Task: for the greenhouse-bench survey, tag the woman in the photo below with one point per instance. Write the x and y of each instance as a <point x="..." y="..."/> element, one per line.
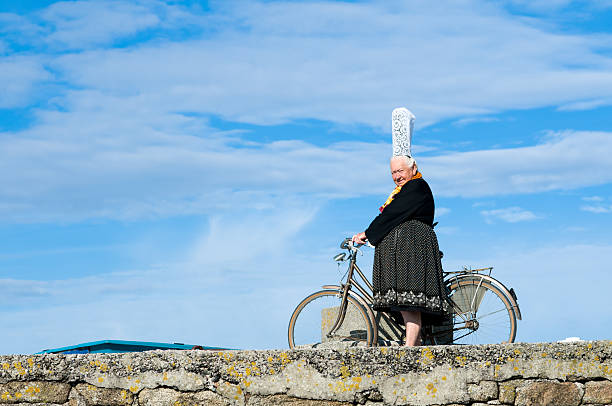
<point x="407" y="272"/>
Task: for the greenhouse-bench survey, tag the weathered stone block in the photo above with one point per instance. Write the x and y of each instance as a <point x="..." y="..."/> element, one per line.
<point x="548" y="393"/>
<point x="598" y="392"/>
<point x="375" y="396"/>
<point x="231" y="391"/>
<point x="93" y="395"/>
<point x="507" y="392"/>
<point x="170" y="397"/>
<point x="485" y="390"/>
<point x="34" y="392"/>
<point x="283" y="400"/>
<point x="33" y="404"/>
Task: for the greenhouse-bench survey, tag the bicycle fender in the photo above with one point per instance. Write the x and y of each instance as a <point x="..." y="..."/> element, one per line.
<point x="511" y="297"/>
<point x="366" y="306"/>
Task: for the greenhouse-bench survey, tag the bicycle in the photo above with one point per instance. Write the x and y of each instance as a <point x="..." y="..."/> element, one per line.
<point x="484" y="311"/>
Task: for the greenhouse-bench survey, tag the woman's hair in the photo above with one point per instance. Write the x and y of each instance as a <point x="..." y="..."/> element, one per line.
<point x="407" y="159"/>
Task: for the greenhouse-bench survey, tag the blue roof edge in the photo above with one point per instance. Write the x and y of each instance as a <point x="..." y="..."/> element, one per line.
<point x="154" y="345"/>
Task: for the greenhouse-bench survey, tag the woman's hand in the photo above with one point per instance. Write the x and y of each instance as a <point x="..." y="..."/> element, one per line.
<point x="359" y="238"/>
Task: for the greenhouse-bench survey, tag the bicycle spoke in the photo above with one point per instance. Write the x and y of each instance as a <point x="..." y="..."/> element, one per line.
<point x="466" y="334"/>
<point x="480" y="317"/>
<point x="482" y="313"/>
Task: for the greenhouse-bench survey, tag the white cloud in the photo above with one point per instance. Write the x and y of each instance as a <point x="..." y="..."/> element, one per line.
<point x="86" y="24"/>
<point x="548" y="166"/>
<point x="509" y="215"/>
<point x="593" y="199"/>
<point x="483" y="204"/>
<point x="596" y="205"/>
<point x="75" y="166"/>
<point x="18" y="29"/>
<point x="585" y="104"/>
<point x="597" y="209"/>
<point x="330" y="61"/>
<point x="443" y="230"/>
<point x="442" y="211"/>
<point x="603" y="3"/>
<point x="575" y="229"/>
<point x="20" y="77"/>
<point x="575" y="9"/>
<point x="124" y="138"/>
<point x="540" y="5"/>
<point x="109" y="159"/>
<point x="471" y="120"/>
<point x="90" y="23"/>
<point x="235" y="240"/>
<point x="247" y="271"/>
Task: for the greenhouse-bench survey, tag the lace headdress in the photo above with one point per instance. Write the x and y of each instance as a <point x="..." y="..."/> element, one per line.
<point x="402" y="123"/>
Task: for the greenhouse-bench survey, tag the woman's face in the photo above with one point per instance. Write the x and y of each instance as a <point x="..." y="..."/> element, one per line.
<point x="401" y="172"/>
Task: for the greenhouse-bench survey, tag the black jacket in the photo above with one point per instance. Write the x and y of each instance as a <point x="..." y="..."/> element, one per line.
<point x="414" y="202"/>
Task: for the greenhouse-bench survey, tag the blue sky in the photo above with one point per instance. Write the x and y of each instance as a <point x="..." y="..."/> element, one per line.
<point x="183" y="171"/>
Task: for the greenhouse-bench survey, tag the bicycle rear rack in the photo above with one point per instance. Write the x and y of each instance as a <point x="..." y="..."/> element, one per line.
<point x="466" y="271"/>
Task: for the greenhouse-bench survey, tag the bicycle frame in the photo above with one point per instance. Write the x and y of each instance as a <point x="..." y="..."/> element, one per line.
<point x="363" y="296"/>
<point x="366" y="300"/>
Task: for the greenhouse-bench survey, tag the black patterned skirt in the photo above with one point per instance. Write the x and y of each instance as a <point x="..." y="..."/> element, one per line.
<point x="408" y="272"/>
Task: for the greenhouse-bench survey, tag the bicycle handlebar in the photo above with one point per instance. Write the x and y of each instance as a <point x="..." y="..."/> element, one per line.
<point x="347" y="244"/>
<point x="344" y="244"/>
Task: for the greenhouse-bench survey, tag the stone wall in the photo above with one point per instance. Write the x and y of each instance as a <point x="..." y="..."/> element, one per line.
<point x="517" y="374"/>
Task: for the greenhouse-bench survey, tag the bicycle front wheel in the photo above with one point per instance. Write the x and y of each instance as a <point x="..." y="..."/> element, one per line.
<point x="314" y="318"/>
<point x="483" y="314"/>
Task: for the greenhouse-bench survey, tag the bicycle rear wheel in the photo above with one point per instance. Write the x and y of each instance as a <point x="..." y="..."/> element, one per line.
<point x="483" y="314"/>
<point x="316" y="315"/>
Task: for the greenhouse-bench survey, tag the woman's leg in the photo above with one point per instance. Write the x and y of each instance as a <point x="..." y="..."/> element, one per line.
<point x="412" y="320"/>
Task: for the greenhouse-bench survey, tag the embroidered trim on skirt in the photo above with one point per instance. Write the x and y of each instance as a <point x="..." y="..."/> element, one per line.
<point x="408" y="272"/>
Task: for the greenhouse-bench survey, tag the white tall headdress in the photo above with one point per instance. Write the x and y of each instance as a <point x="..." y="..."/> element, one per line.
<point x="402" y="123"/>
